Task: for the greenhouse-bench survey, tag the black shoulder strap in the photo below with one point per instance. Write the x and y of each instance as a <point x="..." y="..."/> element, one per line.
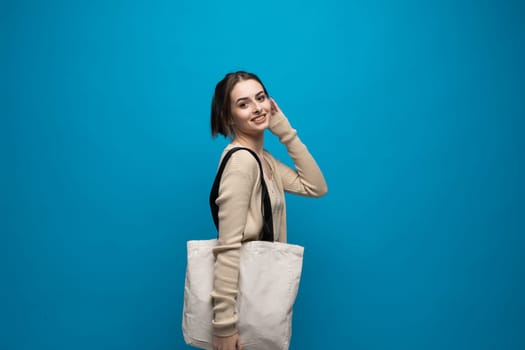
<point x="267" y="231"/>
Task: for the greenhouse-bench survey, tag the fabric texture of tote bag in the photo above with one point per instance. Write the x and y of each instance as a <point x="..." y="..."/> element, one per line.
<point x="269" y="278"/>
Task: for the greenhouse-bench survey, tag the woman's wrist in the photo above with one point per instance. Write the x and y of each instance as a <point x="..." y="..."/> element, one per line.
<point x="280" y="127"/>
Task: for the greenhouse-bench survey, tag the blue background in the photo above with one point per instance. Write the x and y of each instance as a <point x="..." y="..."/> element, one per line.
<point x="413" y="109"/>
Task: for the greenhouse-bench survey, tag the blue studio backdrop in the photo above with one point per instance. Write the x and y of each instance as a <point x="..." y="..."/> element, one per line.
<point x="413" y="109"/>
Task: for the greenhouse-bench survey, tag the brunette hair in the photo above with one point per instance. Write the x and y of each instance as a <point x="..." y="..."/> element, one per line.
<point x="221" y="118"/>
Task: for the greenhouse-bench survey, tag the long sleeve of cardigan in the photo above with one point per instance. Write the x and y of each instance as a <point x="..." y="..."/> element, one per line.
<point x="307" y="179"/>
<point x="238" y="185"/>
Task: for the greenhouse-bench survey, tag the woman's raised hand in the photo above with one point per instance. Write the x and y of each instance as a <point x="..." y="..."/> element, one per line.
<point x="275" y="107"/>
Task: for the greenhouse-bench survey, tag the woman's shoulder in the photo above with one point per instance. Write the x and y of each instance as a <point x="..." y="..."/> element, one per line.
<point x="240" y="161"/>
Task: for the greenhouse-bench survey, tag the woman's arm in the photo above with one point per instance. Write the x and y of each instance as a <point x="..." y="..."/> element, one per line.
<point x="235" y="190"/>
<point x="307" y="179"/>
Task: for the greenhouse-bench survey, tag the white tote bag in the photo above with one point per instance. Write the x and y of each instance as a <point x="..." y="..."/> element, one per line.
<point x="268" y="282"/>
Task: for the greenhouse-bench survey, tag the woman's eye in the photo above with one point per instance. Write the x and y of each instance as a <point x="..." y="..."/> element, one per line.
<point x="243" y="105"/>
<point x="261" y="98"/>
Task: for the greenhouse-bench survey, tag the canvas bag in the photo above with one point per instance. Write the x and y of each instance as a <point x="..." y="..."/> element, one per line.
<point x="268" y="283"/>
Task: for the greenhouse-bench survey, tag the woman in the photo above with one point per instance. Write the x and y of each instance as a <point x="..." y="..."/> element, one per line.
<point x="243" y="110"/>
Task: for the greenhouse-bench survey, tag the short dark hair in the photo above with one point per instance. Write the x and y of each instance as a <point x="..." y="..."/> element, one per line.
<point x="221" y="117"/>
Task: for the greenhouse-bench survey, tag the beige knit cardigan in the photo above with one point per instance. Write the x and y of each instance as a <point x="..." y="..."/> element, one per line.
<point x="240" y="218"/>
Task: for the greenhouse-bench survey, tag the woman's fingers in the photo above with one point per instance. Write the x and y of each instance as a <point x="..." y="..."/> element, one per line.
<point x="275" y="107"/>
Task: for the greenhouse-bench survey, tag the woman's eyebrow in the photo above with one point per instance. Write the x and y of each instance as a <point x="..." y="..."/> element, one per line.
<point x="247" y="98"/>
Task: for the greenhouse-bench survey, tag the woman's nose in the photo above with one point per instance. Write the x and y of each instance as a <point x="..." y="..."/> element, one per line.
<point x="256" y="108"/>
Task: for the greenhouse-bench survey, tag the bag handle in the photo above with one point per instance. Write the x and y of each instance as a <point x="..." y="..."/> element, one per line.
<point x="266" y="205"/>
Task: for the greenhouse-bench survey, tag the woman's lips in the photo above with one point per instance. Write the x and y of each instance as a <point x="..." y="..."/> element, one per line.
<point x="259" y="119"/>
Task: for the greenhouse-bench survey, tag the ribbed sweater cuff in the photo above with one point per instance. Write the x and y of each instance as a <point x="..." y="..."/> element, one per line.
<point x="224" y="330"/>
<point x="280" y="126"/>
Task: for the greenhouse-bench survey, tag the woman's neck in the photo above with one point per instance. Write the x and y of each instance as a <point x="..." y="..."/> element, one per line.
<point x="255" y="144"/>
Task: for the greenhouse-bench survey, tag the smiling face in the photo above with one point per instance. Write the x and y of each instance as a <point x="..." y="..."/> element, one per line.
<point x="250" y="108"/>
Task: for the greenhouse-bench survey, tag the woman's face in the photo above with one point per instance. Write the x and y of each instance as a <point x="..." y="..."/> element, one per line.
<point x="250" y="108"/>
